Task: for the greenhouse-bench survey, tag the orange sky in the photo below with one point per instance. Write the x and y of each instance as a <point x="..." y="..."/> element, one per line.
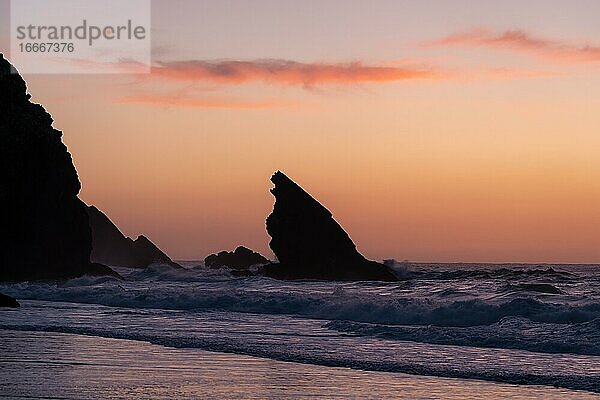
<point x="476" y="140"/>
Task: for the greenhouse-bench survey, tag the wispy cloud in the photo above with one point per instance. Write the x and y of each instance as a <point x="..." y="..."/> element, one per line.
<point x="236" y="73"/>
<point x="195" y="102"/>
<point x="518" y="40"/>
<point x="287" y="72"/>
<point x="184" y="77"/>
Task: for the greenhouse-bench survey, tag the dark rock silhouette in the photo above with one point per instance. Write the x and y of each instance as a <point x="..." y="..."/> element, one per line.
<point x="241" y="258"/>
<point x="7" y="301"/>
<point x="310" y="244"/>
<point x="110" y="246"/>
<point x="44" y="232"/>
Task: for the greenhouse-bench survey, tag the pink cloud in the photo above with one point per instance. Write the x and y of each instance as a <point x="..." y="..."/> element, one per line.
<point x="290" y="73"/>
<point x="518" y="40"/>
<point x="286" y="72"/>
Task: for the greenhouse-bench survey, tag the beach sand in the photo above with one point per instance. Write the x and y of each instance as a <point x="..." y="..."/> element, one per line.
<point x="42" y="365"/>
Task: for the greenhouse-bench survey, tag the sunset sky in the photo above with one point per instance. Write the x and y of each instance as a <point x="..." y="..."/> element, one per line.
<point x="433" y="130"/>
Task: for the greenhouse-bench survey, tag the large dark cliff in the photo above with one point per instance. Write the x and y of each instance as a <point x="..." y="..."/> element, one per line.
<point x="44" y="230"/>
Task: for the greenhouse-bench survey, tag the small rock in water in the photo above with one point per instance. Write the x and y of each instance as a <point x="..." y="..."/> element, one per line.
<point x="241" y="258"/>
<point x="7" y="301"/>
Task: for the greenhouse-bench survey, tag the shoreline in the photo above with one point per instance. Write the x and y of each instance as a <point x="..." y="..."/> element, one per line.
<point x="68" y="366"/>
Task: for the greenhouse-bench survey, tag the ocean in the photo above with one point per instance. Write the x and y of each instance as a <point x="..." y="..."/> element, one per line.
<point x="517" y="324"/>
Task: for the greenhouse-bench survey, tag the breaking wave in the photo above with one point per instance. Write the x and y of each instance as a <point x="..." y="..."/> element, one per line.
<point x="186" y="291"/>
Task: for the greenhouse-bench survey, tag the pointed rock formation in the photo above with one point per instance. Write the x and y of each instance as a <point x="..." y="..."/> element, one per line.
<point x="241" y="258"/>
<point x="110" y="246"/>
<point x="44" y="233"/>
<point x="310" y="244"/>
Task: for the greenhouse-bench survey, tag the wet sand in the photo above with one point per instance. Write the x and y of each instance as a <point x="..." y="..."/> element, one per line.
<point x="41" y="365"/>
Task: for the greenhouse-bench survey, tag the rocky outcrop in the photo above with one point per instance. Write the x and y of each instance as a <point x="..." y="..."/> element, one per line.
<point x="241" y="258"/>
<point x="7" y="301"/>
<point x="110" y="246"/>
<point x="44" y="233"/>
<point x="310" y="244"/>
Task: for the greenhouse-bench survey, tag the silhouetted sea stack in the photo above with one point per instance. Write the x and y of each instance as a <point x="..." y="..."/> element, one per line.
<point x="110" y="246"/>
<point x="7" y="301"/>
<point x="241" y="258"/>
<point x="45" y="232"/>
<point x="310" y="244"/>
